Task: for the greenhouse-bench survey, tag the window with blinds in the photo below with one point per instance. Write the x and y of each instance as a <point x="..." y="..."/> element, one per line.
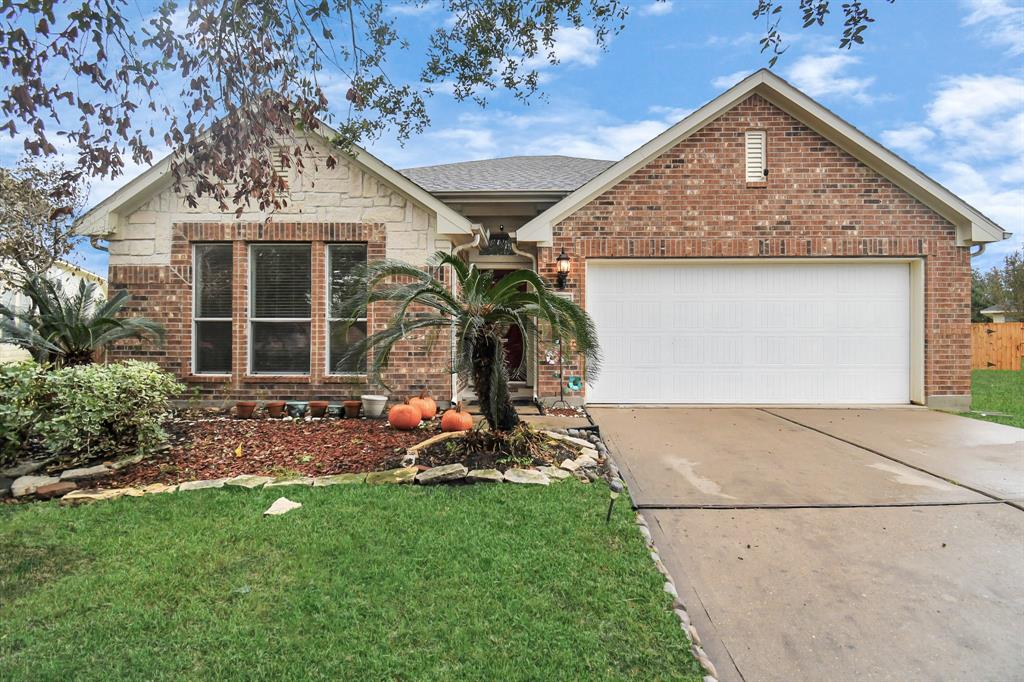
<point x="211" y="309"/>
<point x="280" y="308"/>
<point x="343" y="260"/>
<point x="756" y="156"/>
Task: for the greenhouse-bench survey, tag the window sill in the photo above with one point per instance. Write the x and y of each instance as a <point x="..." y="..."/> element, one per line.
<point x="208" y="378"/>
<point x="277" y="378"/>
<point x="345" y="379"/>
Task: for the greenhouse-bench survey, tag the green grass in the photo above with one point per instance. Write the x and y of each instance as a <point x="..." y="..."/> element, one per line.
<point x="462" y="583"/>
<point x="995" y="390"/>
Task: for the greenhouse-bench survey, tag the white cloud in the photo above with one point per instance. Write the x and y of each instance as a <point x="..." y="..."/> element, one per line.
<point x="573" y="45"/>
<point x="912" y="138"/>
<point x="474" y="143"/>
<point x="998" y="22"/>
<point x="824" y="75"/>
<point x="727" y="81"/>
<point x="670" y="114"/>
<point x="657" y="8"/>
<point x="732" y="41"/>
<point x="414" y="7"/>
<point x="972" y="141"/>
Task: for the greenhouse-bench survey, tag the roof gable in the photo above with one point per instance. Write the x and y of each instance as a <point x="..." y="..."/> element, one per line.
<point x="102" y="218"/>
<point x="972" y="226"/>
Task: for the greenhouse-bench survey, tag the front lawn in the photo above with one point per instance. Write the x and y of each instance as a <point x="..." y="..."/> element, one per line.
<point x="465" y="582"/>
<point x="995" y="390"/>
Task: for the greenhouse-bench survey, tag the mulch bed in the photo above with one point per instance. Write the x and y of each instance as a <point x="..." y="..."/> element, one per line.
<point x="483" y="450"/>
<point x="207" y="448"/>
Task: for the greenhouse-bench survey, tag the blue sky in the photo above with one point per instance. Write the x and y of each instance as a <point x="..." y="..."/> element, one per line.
<point x="941" y="82"/>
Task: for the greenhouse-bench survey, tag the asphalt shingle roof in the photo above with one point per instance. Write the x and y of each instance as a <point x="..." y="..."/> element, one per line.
<point x="511" y="173"/>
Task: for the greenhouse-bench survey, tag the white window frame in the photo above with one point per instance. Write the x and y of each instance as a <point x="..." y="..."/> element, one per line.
<point x="195" y="307"/>
<point x="327" y="312"/>
<point x="250" y="320"/>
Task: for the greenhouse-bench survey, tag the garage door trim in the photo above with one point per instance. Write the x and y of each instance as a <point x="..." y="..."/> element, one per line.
<point x="917" y="296"/>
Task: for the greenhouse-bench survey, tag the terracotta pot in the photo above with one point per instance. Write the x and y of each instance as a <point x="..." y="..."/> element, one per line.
<point x="275" y="408"/>
<point x="352" y="408"/>
<point x="244" y="409"/>
<point x="317" y="408"/>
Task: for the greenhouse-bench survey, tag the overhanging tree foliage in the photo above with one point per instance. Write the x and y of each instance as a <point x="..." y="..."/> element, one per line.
<point x="478" y="314"/>
<point x="221" y="81"/>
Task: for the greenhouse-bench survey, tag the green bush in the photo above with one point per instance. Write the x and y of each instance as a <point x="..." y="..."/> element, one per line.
<point x="18" y="384"/>
<point x="92" y="411"/>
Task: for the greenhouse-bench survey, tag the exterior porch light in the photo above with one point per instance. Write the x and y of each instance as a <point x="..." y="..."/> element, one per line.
<point x="563" y="268"/>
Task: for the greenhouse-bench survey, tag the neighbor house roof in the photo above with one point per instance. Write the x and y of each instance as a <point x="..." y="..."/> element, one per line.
<point x="102" y="218"/>
<point x="508" y="174"/>
<point x="972" y="226"/>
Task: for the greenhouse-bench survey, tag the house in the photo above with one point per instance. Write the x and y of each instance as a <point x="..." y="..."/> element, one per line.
<point x="761" y="250"/>
<point x="68" y="276"/>
<point x="998" y="313"/>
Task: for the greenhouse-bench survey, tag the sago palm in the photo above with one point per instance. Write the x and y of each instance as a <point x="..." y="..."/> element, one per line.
<point x="67" y="329"/>
<point x="478" y="315"/>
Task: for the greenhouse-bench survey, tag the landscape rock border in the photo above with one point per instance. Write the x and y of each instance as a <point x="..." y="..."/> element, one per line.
<point x="678" y="607"/>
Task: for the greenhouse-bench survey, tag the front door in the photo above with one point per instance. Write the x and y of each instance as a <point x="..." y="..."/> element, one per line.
<point x="515" y="346"/>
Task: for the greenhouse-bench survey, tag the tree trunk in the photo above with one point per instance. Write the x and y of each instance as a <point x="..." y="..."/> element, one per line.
<point x="490" y="379"/>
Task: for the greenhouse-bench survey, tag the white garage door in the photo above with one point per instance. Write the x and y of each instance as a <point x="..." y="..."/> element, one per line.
<point x="752" y="332"/>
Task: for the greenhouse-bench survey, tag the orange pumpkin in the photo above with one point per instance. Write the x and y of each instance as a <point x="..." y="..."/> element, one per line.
<point x="456" y="420"/>
<point x="404" y="417"/>
<point x="425" y="404"/>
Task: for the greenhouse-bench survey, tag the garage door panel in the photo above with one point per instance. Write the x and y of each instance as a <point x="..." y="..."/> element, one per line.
<point x="758" y="332"/>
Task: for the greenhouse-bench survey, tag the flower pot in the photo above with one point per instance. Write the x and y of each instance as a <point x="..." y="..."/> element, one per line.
<point x="297" y="408"/>
<point x="334" y="411"/>
<point x="352" y="408"/>
<point x="275" y="408"/>
<point x="373" y="405"/>
<point x="244" y="409"/>
<point x="317" y="408"/>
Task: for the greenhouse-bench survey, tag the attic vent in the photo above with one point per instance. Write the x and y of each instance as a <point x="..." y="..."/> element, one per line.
<point x="277" y="161"/>
<point x="756" y="156"/>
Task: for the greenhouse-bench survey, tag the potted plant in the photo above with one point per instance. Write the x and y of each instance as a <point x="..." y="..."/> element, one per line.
<point x="334" y="410"/>
<point x="275" y="408"/>
<point x="373" y="405"/>
<point x="318" y="408"/>
<point x="352" y="408"/>
<point x="297" y="408"/>
<point x="244" y="409"/>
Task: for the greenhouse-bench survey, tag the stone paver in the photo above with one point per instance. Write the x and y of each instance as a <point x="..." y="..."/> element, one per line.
<point x="485" y="476"/>
<point x="26" y="485"/>
<point x="59" y="489"/>
<point x="301" y="480"/>
<point x="526" y="476"/>
<point x="248" y="481"/>
<point x="189" y="486"/>
<point x="442" y="474"/>
<point x="85" y="473"/>
<point x="282" y="505"/>
<point x="338" y="479"/>
<point x="392" y="476"/>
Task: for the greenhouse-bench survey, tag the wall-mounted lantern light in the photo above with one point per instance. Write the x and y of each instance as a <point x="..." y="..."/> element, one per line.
<point x="563" y="269"/>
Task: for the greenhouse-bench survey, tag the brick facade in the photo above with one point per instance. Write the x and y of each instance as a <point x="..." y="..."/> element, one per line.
<point x="817" y="201"/>
<point x="164" y="293"/>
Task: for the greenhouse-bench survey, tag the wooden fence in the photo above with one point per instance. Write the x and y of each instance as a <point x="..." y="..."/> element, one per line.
<point x="997" y="345"/>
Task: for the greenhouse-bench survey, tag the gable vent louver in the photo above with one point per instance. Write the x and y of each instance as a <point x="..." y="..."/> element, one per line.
<point x="756" y="156"/>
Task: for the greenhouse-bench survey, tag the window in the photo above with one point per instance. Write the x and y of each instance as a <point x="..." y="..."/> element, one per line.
<point x="756" y="156"/>
<point x="211" y="309"/>
<point x="280" y="309"/>
<point x="342" y="260"/>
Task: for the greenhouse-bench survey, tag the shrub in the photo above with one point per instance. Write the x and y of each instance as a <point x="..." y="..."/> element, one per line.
<point x="92" y="411"/>
<point x="18" y="384"/>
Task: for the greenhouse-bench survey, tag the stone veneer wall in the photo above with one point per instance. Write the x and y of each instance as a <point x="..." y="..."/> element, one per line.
<point x="818" y="201"/>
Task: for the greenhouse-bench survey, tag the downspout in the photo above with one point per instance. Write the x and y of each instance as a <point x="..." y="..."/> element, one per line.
<point x="981" y="249"/>
<point x="478" y="229"/>
<point x="94" y="242"/>
<point x="536" y="351"/>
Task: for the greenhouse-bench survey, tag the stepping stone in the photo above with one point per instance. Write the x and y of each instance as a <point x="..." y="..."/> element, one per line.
<point x="442" y="474"/>
<point x="59" y="489"/>
<point x="585" y="462"/>
<point x="85" y="473"/>
<point x="338" y="479"/>
<point x="248" y="481"/>
<point x="27" y="485"/>
<point x="392" y="476"/>
<point x="526" y="476"/>
<point x="485" y="476"/>
<point x="301" y="480"/>
<point x="126" y="462"/>
<point x="553" y="473"/>
<point x="569" y="465"/>
<point x="282" y="505"/>
<point x="201" y="485"/>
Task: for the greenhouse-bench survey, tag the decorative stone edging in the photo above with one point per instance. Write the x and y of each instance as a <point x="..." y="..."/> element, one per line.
<point x="678" y="607"/>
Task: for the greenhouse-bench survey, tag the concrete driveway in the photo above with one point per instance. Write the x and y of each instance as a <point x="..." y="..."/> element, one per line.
<point x="836" y="544"/>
